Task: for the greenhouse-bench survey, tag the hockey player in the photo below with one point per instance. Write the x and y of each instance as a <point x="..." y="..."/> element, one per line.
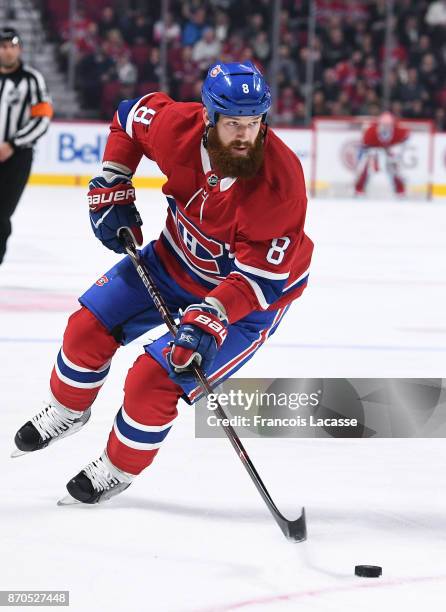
<point x="232" y="257"/>
<point x="381" y="135"/>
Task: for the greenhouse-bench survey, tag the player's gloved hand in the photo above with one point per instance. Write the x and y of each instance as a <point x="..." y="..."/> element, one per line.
<point x="111" y="209"/>
<point x="202" y="331"/>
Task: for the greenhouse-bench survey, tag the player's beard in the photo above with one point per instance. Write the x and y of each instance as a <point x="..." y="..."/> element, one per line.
<point x="240" y="166"/>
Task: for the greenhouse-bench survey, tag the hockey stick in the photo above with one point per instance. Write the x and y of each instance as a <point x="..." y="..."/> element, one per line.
<point x="293" y="530"/>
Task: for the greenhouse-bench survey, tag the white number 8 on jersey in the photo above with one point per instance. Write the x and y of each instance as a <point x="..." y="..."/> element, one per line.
<point x="277" y="251"/>
<point x="245" y="88"/>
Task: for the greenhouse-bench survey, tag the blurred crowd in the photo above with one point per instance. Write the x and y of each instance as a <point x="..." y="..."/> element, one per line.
<point x="117" y="50"/>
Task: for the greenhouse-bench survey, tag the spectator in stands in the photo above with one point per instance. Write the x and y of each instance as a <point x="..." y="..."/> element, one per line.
<point x="80" y="29"/>
<point x="403" y="8"/>
<point x="171" y="29"/>
<point x="138" y="30"/>
<point x="207" y="50"/>
<point x="303" y="54"/>
<point x="436" y="14"/>
<point x="410" y="32"/>
<point x="348" y="71"/>
<point x="412" y="90"/>
<point x="320" y="108"/>
<point x="396" y="108"/>
<point x="110" y="103"/>
<point x="221" y="26"/>
<point x="108" y="21"/>
<point x="358" y="96"/>
<point x="299" y="118"/>
<point x="194" y="26"/>
<point x="248" y="56"/>
<point x="185" y="76"/>
<point x="367" y="46"/>
<point x="429" y="75"/>
<point x="440" y="119"/>
<point x="286" y="68"/>
<point x="91" y="41"/>
<point x="436" y="20"/>
<point x="255" y="25"/>
<point x="335" y="48"/>
<point x="371" y="103"/>
<point x="349" y="43"/>
<point x="126" y="71"/>
<point x="360" y="29"/>
<point x="417" y="51"/>
<point x="341" y="107"/>
<point x="115" y="45"/>
<point x="93" y="71"/>
<point x="287" y="107"/>
<point x="377" y="23"/>
<point x="234" y="48"/>
<point x="393" y="85"/>
<point x="330" y="85"/>
<point x="415" y="110"/>
<point x="261" y="46"/>
<point x="196" y="94"/>
<point x="370" y="73"/>
<point x="150" y="71"/>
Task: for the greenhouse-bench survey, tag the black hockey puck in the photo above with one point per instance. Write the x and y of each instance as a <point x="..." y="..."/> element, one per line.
<point x="368" y="571"/>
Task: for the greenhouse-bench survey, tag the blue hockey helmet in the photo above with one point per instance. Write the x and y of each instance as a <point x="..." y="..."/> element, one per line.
<point x="236" y="90"/>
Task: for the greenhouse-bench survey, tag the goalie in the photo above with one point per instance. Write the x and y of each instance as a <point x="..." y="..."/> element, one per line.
<point x="377" y="146"/>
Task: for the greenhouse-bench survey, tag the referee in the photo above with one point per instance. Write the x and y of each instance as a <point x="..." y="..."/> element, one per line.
<point x="25" y="113"/>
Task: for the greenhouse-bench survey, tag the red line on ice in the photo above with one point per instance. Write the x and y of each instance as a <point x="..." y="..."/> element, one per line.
<point x="377" y="583"/>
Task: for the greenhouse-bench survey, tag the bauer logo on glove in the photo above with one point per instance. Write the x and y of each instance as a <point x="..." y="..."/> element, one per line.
<point x="98" y="198"/>
<point x="202" y="331"/>
<point x="112" y="208"/>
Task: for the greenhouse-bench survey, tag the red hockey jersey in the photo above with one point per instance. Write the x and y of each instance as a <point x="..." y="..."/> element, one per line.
<point x="240" y="241"/>
<point x="374" y="137"/>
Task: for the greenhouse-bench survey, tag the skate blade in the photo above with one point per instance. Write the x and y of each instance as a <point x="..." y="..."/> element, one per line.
<point x="18" y="453"/>
<point x="68" y="500"/>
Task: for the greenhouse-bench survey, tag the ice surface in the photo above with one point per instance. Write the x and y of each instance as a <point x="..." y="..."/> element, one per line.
<point x="192" y="534"/>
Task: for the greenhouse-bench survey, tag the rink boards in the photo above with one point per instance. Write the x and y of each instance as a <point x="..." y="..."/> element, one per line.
<point x="71" y="153"/>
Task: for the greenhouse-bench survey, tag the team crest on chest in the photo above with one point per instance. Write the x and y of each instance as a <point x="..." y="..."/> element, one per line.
<point x="200" y="250"/>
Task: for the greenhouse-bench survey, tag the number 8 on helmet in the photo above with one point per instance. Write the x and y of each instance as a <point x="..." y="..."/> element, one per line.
<point x="236" y="90"/>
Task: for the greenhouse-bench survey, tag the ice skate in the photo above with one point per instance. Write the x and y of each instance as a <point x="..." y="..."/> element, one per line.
<point x="52" y="423"/>
<point x="97" y="482"/>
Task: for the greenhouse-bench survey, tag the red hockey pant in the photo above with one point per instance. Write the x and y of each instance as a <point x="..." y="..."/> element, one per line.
<point x="150" y="397"/>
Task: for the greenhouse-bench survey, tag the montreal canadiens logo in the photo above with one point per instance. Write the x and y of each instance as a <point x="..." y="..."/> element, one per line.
<point x="200" y="250"/>
<point x="102" y="281"/>
<point x="349" y="154"/>
<point x="215" y="70"/>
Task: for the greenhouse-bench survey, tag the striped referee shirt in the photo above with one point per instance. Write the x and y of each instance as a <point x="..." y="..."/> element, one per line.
<point x="25" y="107"/>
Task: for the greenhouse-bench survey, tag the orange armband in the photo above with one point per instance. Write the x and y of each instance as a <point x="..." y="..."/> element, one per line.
<point x="42" y="109"/>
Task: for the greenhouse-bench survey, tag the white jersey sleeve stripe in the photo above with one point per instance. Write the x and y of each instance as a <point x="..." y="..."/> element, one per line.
<point x="260" y="272"/>
<point x="255" y="287"/>
<point x="298" y="280"/>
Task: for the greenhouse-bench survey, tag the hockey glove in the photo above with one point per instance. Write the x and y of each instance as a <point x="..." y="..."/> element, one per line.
<point x="202" y="331"/>
<point x="111" y="209"/>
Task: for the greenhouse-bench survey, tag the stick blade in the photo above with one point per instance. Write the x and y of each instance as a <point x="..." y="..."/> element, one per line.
<point x="295" y="531"/>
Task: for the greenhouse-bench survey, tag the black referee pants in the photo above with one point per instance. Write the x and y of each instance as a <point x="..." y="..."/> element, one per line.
<point x="14" y="175"/>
